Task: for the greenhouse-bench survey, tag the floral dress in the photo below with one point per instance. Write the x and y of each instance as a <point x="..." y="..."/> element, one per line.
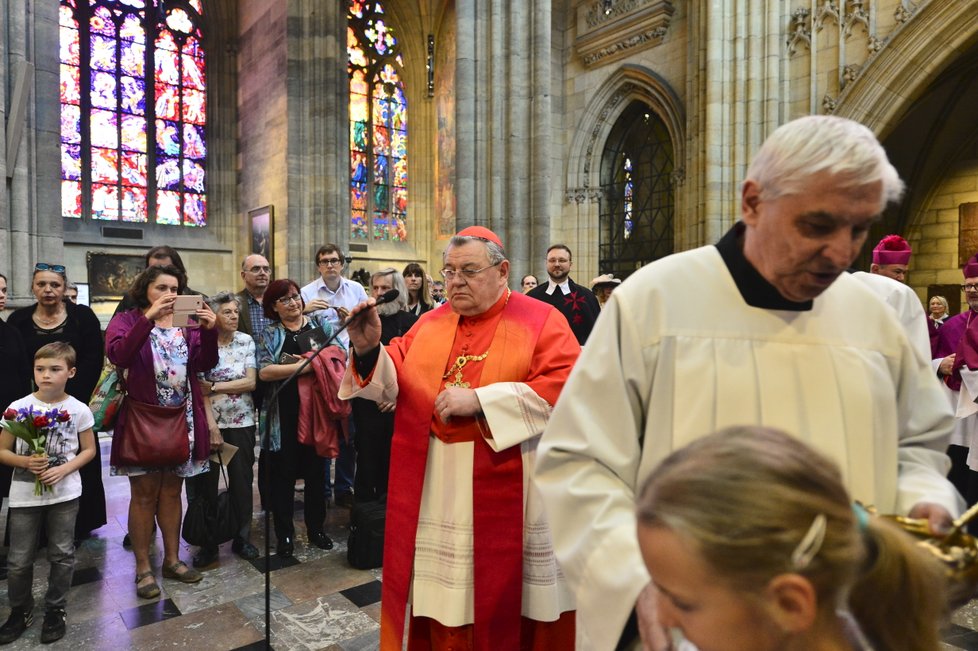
<point x="170" y="358"/>
<point x="233" y="410"/>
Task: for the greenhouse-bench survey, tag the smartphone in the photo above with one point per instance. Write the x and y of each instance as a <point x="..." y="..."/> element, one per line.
<point x="288" y="358"/>
<point x="185" y="311"/>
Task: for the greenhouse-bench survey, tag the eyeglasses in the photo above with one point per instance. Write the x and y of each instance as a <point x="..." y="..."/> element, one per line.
<point x="450" y="274"/>
<point x="285" y="300"/>
<point x="258" y="270"/>
<point x="330" y="262"/>
<point x="969" y="288"/>
<point x="44" y="266"/>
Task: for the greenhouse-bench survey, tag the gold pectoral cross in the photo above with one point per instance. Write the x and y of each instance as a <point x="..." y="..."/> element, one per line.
<point x="456" y="368"/>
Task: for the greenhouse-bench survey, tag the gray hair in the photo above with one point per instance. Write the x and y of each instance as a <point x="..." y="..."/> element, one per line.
<point x="397" y="280"/>
<point x="217" y="300"/>
<point x="494" y="251"/>
<point x="842" y="148"/>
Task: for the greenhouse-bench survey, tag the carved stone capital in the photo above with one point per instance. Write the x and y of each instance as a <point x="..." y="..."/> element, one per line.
<point x="876" y="44"/>
<point x="850" y="73"/>
<point x="580" y="195"/>
<point x="902" y="14"/>
<point x="630" y="26"/>
<point x="856" y="14"/>
<point x="829" y="104"/>
<point x="678" y="177"/>
<point x="575" y="195"/>
<point x="799" y="30"/>
<point x="826" y="10"/>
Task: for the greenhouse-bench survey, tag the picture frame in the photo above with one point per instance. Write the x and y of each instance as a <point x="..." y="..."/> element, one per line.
<point x="84" y="298"/>
<point x="110" y="275"/>
<point x="261" y="222"/>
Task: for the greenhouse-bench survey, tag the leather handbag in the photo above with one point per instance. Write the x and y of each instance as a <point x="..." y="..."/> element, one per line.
<point x="153" y="437"/>
<point x="209" y="523"/>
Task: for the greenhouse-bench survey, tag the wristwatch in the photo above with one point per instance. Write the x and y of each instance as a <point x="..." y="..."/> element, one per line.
<point x="213" y="387"/>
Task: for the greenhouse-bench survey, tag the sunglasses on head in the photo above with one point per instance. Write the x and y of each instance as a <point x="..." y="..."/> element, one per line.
<point x="44" y="266"/>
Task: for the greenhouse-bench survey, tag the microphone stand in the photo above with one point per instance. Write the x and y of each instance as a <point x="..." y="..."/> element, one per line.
<point x="272" y="403"/>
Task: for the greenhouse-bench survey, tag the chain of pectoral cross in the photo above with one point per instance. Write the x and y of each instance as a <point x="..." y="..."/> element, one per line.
<point x="456" y="368"/>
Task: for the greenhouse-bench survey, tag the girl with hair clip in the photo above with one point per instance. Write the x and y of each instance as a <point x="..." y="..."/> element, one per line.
<point x="753" y="544"/>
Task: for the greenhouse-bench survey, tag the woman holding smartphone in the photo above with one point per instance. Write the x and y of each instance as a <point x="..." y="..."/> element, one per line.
<point x="162" y="363"/>
<point x="279" y="356"/>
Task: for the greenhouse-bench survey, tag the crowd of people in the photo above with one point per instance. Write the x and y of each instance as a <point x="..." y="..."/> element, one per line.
<point x="607" y="466"/>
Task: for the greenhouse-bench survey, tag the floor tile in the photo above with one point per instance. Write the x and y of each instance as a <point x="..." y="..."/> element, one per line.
<point x="151" y="613"/>
<point x="363" y="594"/>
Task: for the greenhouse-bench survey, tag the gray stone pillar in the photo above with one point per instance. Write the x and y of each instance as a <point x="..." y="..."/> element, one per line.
<point x="220" y="42"/>
<point x="503" y="117"/>
<point x="318" y="132"/>
<point x="30" y="215"/>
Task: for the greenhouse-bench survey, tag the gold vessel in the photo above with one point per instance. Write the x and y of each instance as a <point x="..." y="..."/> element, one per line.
<point x="956" y="549"/>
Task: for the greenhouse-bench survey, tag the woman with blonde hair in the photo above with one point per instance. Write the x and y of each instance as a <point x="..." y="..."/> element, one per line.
<point x="753" y="543"/>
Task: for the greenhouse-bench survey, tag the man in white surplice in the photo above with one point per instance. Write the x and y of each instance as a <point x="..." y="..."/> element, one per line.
<point x="763" y="328"/>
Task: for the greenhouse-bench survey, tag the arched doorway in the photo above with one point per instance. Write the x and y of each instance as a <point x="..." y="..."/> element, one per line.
<point x="637" y="197"/>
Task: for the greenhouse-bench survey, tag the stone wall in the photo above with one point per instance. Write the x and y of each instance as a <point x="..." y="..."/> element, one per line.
<point x="262" y="126"/>
<point x="934" y="236"/>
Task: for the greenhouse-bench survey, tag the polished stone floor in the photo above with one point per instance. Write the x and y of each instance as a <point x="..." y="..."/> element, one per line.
<point x="317" y="601"/>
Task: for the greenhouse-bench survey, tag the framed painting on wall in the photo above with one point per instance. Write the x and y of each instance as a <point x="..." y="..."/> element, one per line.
<point x="111" y="274"/>
<point x="261" y="221"/>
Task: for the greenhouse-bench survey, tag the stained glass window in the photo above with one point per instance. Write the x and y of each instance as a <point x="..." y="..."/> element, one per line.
<point x="638" y="198"/>
<point x="378" y="127"/>
<point x="133" y="111"/>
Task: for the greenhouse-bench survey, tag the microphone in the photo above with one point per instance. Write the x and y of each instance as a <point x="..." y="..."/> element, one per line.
<point x="388" y="297"/>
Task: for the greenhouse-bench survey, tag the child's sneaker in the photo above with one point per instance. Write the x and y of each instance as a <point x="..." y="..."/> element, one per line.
<point x="53" y="628"/>
<point x="16" y="624"/>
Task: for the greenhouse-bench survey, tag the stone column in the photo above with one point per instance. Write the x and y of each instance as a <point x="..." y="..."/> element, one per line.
<point x="30" y="216"/>
<point x="318" y="132"/>
<point x="220" y="42"/>
<point x="502" y="118"/>
<point x="734" y="78"/>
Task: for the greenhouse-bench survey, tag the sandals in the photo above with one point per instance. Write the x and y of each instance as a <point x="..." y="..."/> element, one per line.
<point x="148" y="591"/>
<point x="189" y="575"/>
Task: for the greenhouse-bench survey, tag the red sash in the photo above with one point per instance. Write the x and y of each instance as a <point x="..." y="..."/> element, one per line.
<point x="497" y="476"/>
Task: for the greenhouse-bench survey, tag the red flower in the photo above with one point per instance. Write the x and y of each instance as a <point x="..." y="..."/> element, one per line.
<point x="40" y="421"/>
<point x="10" y="414"/>
<point x="63" y="417"/>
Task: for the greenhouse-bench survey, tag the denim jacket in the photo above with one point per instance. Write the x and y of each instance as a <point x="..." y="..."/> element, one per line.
<point x="270" y="343"/>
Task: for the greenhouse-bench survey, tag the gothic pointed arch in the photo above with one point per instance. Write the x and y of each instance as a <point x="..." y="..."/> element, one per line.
<point x="637" y="206"/>
<point x="629" y="83"/>
<point x="903" y="69"/>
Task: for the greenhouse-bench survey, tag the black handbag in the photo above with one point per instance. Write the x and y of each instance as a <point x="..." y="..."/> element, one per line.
<point x="209" y="523"/>
<point x="365" y="546"/>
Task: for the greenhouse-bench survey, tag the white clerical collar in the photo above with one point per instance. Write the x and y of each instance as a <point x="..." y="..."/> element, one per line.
<point x="564" y="287"/>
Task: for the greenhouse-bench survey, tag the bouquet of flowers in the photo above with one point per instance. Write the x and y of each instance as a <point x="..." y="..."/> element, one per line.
<point x="33" y="428"/>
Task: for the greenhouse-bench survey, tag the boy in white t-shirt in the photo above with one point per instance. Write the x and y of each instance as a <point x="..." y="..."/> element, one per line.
<point x="69" y="445"/>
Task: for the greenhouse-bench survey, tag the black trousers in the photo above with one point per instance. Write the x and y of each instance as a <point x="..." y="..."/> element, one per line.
<point x="374" y="430"/>
<point x="292" y="461"/>
<point x="241" y="477"/>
